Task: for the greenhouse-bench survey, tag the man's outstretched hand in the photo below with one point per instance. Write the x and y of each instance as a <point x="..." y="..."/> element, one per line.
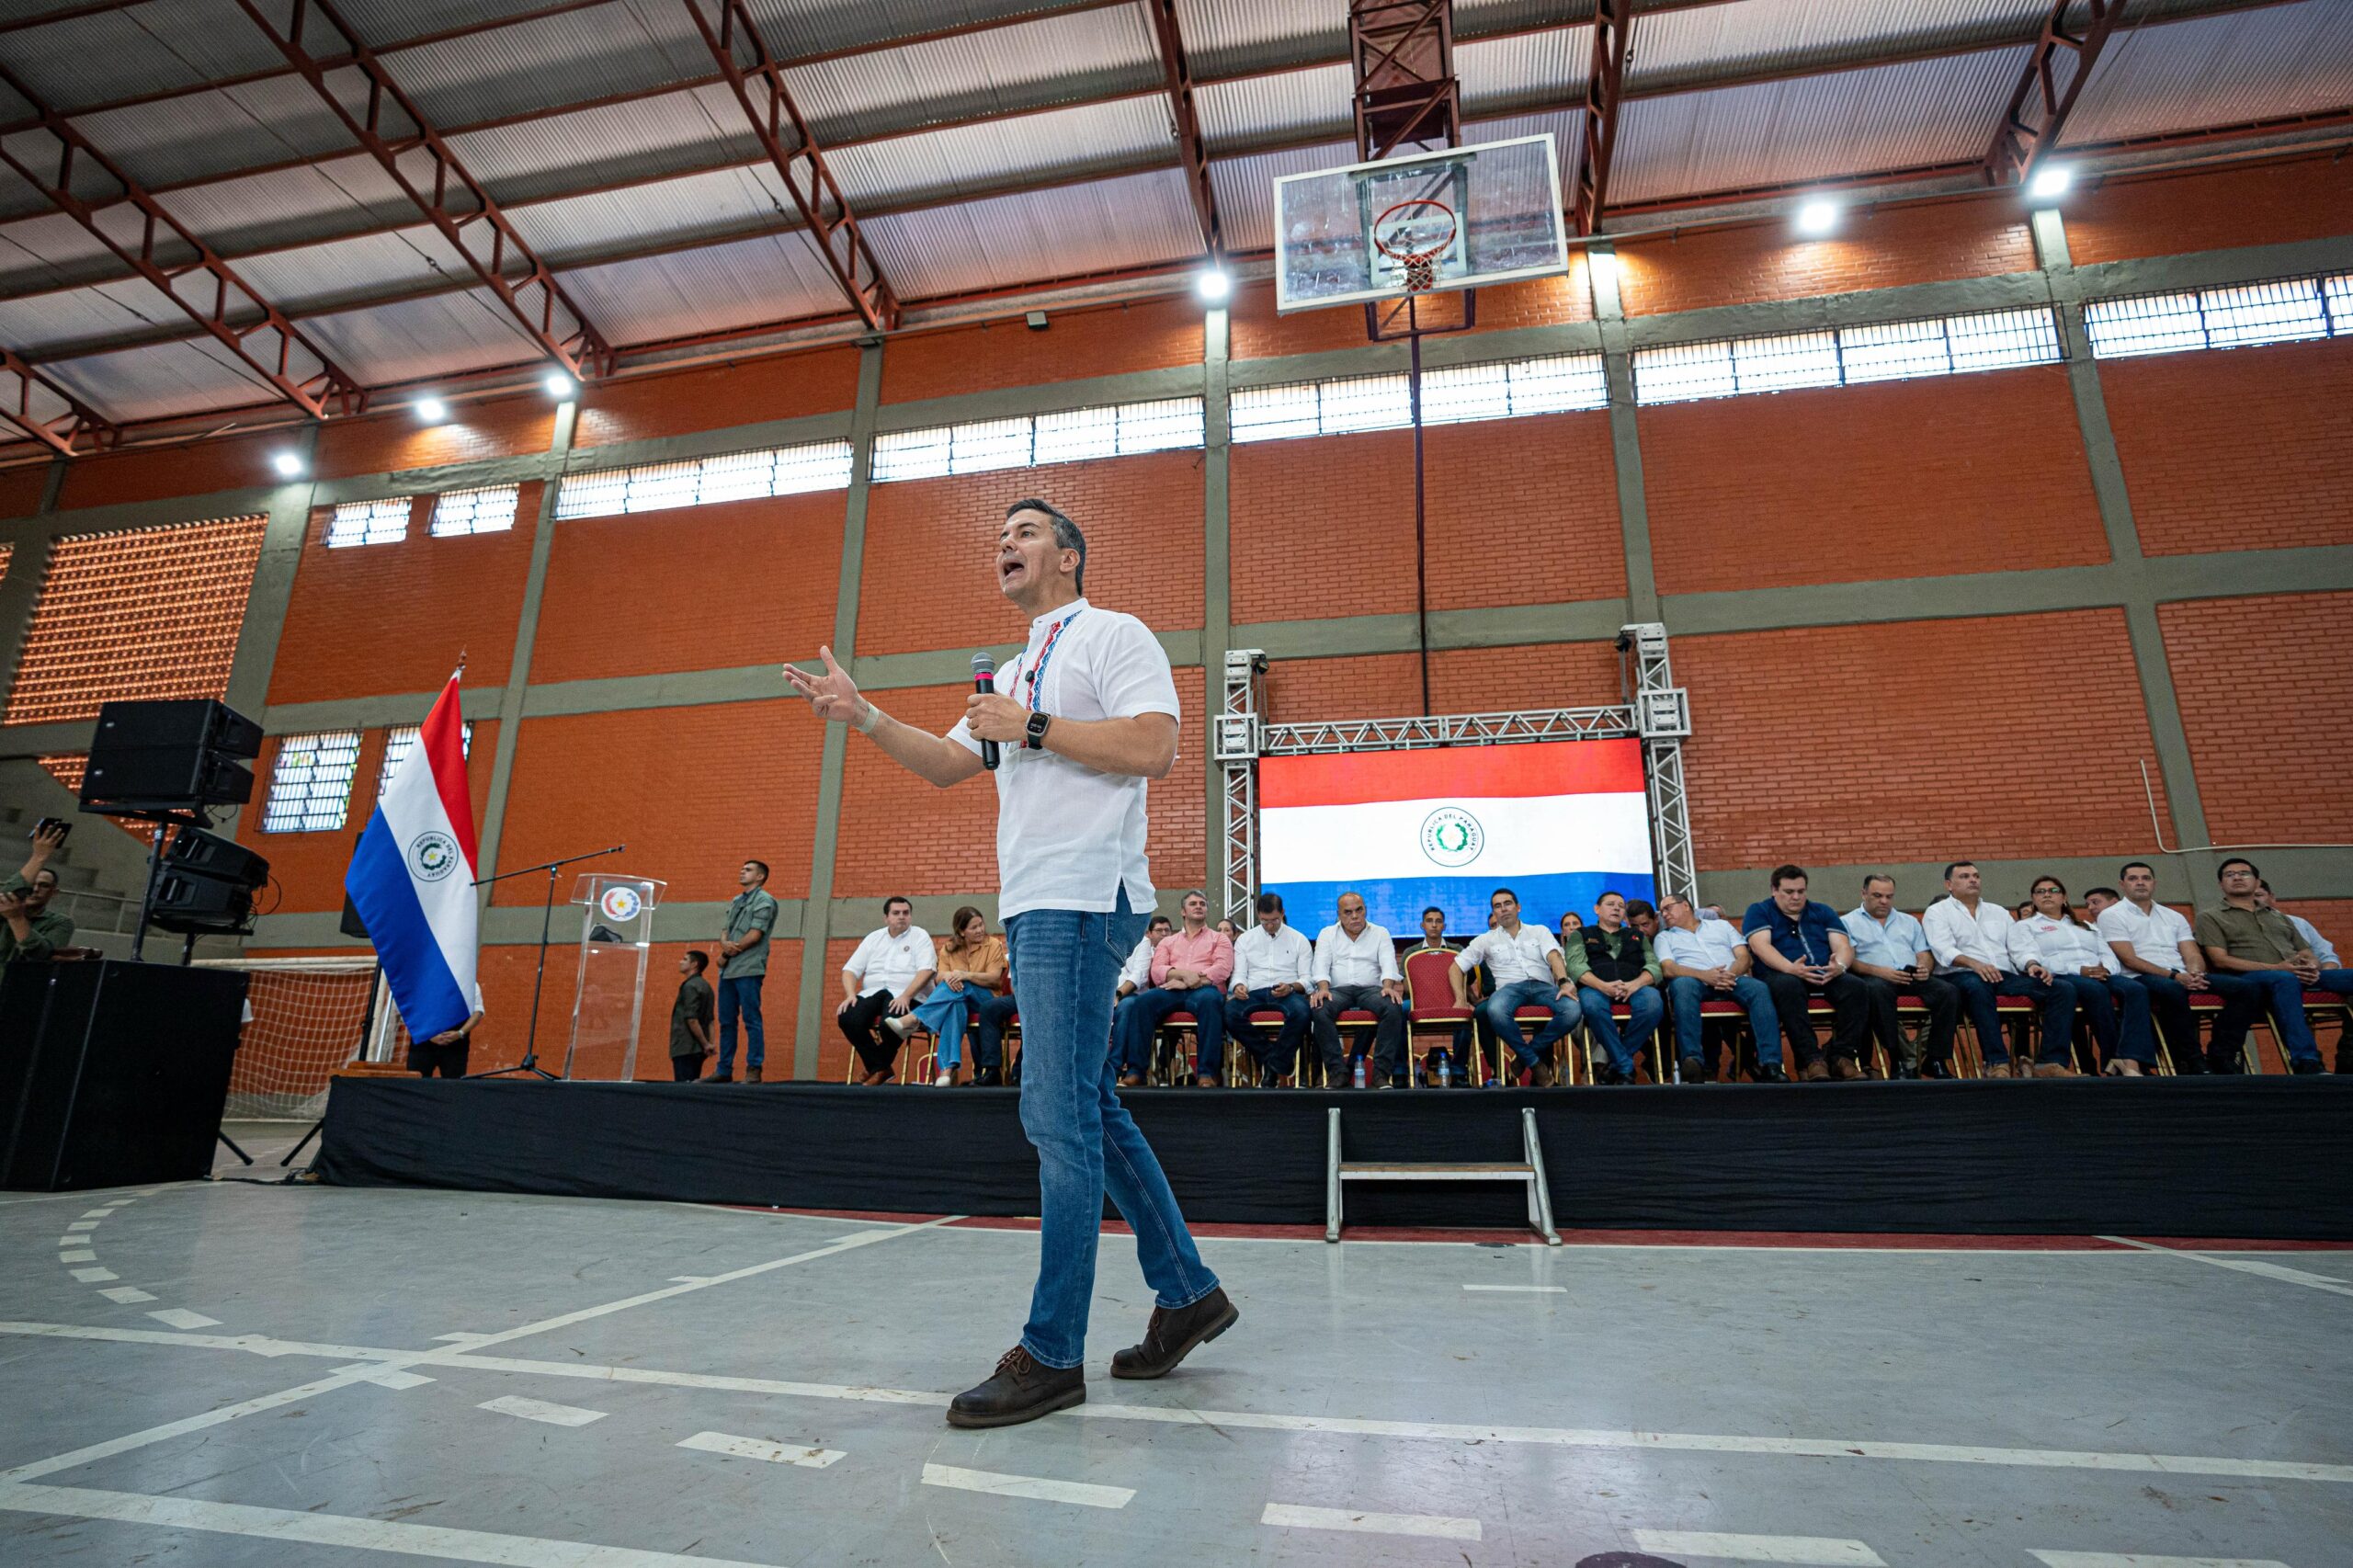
<point x="832" y="695"/>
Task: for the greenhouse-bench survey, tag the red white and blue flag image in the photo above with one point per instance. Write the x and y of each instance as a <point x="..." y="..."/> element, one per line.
<point x="412" y="879"/>
<point x="1557" y="822"/>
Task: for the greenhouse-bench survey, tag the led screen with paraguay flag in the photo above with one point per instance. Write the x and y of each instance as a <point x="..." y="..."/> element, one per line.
<point x="1557" y="822"/>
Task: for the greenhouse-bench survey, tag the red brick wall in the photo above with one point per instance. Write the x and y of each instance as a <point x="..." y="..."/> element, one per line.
<point x="694" y="792"/>
<point x="1911" y="742"/>
<point x="2250" y="448"/>
<point x="1108" y="340"/>
<point x="2295" y="198"/>
<point x="1956" y="473"/>
<point x="1538" y="301"/>
<point x="1319" y="530"/>
<point x="1561" y="479"/>
<point x="930" y="580"/>
<point x="2263" y="683"/>
<point x="1874" y="248"/>
<point x="377" y="619"/>
<point x="786" y="386"/>
<point x="1255" y="330"/>
<point x="20" y="489"/>
<point x="833" y="1050"/>
<point x="386" y="443"/>
<point x="191" y="468"/>
<point x="1462" y="680"/>
<point x="697" y="587"/>
<point x="307" y="868"/>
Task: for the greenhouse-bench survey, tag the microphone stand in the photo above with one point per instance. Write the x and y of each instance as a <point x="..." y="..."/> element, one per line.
<point x="530" y="1062"/>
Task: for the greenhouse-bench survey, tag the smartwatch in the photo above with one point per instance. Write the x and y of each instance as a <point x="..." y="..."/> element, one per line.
<point x="1036" y="740"/>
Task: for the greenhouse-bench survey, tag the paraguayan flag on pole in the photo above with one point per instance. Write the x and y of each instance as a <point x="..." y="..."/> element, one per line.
<point x="412" y="879"/>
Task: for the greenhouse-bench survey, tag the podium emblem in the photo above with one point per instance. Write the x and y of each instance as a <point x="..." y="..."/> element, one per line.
<point x="620" y="903"/>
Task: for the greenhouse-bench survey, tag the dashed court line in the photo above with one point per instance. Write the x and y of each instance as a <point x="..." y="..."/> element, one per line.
<point x="180" y="1317"/>
<point x="1522" y="1290"/>
<point x="2140" y="1560"/>
<point x="1036" y="1488"/>
<point x="1295" y="1515"/>
<point x="541" y="1411"/>
<point x="808" y="1456"/>
<point x="1822" y="1551"/>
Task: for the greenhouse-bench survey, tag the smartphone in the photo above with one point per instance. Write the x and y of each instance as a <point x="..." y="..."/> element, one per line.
<point x="65" y="829"/>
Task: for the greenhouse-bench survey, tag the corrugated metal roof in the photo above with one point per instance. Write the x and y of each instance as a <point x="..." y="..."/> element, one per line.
<point x="17" y="199"/>
<point x="945" y="163"/>
<point x="113" y="54"/>
<point x="327" y="277"/>
<point x="798" y="27"/>
<point x="626" y="46"/>
<point x="1881" y="118"/>
<point x="1050" y="61"/>
<point x="1246" y="188"/>
<point x="379" y="22"/>
<point x="727" y="201"/>
<point x="2219" y="71"/>
<point x="287" y="206"/>
<point x="49" y="252"/>
<point x="614" y="141"/>
<point x="83" y="316"/>
<point x="1222" y="37"/>
<point x="159" y="382"/>
<point x="218" y="132"/>
<point x="1763" y="35"/>
<point x="1136" y="221"/>
<point x="1314" y="102"/>
<point x="444" y="335"/>
<point x="1546" y="68"/>
<point x="709" y="289"/>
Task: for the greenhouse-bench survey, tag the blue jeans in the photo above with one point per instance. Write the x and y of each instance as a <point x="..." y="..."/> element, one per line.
<point x="1147" y="1010"/>
<point x="1684" y="996"/>
<point x="2283" y="994"/>
<point x="2118" y="1010"/>
<point x="945" y="1013"/>
<point x="741" y="992"/>
<point x="1066" y="962"/>
<point x="1645" y="1008"/>
<point x="2057" y="1001"/>
<point x="991" y="1012"/>
<point x="1279" y="1057"/>
<point x="1509" y="999"/>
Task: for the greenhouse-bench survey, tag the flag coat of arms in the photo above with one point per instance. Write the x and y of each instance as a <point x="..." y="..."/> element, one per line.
<point x="412" y="879"/>
<point x="1557" y="822"/>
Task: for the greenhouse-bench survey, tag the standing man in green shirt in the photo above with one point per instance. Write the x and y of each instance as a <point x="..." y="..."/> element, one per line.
<point x="743" y="964"/>
<point x="1613" y="962"/>
<point x="27" y="930"/>
<point x="690" y="1018"/>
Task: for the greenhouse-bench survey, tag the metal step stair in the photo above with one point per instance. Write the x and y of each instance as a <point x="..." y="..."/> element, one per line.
<point x="1528" y="1169"/>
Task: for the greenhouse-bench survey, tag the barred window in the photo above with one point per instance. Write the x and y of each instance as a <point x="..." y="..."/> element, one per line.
<point x="2283" y="311"/>
<point x="462" y="512"/>
<point x="1847" y="356"/>
<point x="401" y="740"/>
<point x="1511" y="389"/>
<point x="369" y="522"/>
<point x="1071" y="436"/>
<point x="1333" y="407"/>
<point x="310" y="783"/>
<point x="703" y="481"/>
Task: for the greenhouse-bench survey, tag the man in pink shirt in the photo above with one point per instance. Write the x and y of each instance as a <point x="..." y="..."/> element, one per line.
<point x="1189" y="970"/>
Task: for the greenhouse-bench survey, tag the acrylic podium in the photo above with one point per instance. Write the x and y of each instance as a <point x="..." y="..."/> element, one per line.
<point x="608" y="995"/>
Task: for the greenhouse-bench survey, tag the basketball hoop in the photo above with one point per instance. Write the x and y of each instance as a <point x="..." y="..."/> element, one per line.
<point x="1416" y="241"/>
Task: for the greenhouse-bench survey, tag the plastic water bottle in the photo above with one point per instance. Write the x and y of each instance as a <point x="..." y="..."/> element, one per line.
<point x="1359" y="1072"/>
<point x="1444" y="1070"/>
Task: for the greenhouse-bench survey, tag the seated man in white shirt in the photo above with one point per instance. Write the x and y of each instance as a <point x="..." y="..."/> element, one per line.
<point x="2155" y="945"/>
<point x="1705" y="960"/>
<point x="1979" y="950"/>
<point x="1136" y="973"/>
<point x="891" y="969"/>
<point x="1529" y="971"/>
<point x="1273" y="971"/>
<point x="1354" y="969"/>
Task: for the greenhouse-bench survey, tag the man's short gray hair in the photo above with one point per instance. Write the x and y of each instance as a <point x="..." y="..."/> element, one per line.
<point x="1066" y="534"/>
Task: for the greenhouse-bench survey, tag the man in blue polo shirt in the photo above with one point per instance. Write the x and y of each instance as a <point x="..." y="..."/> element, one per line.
<point x="1803" y="951"/>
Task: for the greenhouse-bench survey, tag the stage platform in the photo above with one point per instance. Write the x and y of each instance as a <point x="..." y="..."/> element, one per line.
<point x="2247" y="1157"/>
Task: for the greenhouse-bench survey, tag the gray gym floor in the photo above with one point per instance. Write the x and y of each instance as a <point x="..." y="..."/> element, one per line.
<point x="276" y="1376"/>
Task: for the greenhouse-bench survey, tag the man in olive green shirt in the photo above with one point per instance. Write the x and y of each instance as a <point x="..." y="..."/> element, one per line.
<point x="690" y="1018"/>
<point x="27" y="930"/>
<point x="2259" y="947"/>
<point x="1613" y="963"/>
<point x="743" y="965"/>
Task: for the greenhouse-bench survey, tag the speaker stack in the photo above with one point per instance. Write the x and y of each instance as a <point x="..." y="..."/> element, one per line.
<point x="168" y="762"/>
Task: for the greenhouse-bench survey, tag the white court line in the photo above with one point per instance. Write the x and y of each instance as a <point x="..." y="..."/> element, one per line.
<point x="1297" y="1516"/>
<point x="1525" y="1289"/>
<point x="1542" y="1436"/>
<point x="768" y="1449"/>
<point x="95" y="1276"/>
<point x="126" y="1294"/>
<point x="81" y="1254"/>
<point x="77" y="1241"/>
<point x="2139" y="1559"/>
<point x="541" y="1410"/>
<point x="83" y="1225"/>
<point x="2243" y="1265"/>
<point x="387" y="1377"/>
<point x="1817" y="1549"/>
<point x="1036" y="1488"/>
<point x="98" y="1214"/>
<point x="338" y="1530"/>
<point x="180" y="1317"/>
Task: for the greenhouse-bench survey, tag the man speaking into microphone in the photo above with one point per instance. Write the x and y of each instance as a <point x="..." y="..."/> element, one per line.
<point x="1081" y="719"/>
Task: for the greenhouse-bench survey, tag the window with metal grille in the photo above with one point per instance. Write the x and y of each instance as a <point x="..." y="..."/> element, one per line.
<point x="2283" y="311"/>
<point x="1455" y="394"/>
<point x="310" y="783"/>
<point x="138" y="613"/>
<point x="401" y="740"/>
<point x="703" y="481"/>
<point x="369" y="522"/>
<point x="461" y="512"/>
<point x="1847" y="356"/>
<point x="1072" y="435"/>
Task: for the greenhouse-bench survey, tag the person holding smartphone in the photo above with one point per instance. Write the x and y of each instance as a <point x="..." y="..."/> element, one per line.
<point x="29" y="931"/>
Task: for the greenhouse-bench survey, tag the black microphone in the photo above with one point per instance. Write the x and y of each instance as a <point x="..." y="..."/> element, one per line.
<point x="984" y="682"/>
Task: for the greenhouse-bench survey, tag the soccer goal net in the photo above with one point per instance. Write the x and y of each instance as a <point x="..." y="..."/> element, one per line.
<point x="305" y="1017"/>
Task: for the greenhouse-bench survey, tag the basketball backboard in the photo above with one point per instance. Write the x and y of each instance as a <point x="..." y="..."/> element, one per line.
<point x="1457" y="217"/>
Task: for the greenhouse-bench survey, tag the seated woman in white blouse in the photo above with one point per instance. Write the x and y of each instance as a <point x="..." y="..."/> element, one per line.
<point x="2114" y="1004"/>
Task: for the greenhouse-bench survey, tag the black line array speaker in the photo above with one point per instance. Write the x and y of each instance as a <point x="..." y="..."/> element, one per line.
<point x="112" y="1075"/>
<point x="169" y="755"/>
<point x="207" y="884"/>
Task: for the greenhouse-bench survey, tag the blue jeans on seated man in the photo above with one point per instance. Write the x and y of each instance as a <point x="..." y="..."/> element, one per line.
<point x="1066" y="962"/>
<point x="1282" y="1055"/>
<point x="2057" y="1001"/>
<point x="741" y="994"/>
<point x="991" y="1012"/>
<point x="2282" y="995"/>
<point x="1148" y="1009"/>
<point x="1645" y="1010"/>
<point x="1509" y="999"/>
<point x="1685" y="993"/>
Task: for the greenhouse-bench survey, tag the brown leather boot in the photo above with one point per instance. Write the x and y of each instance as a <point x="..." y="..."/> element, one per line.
<point x="1172" y="1334"/>
<point x="1020" y="1390"/>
